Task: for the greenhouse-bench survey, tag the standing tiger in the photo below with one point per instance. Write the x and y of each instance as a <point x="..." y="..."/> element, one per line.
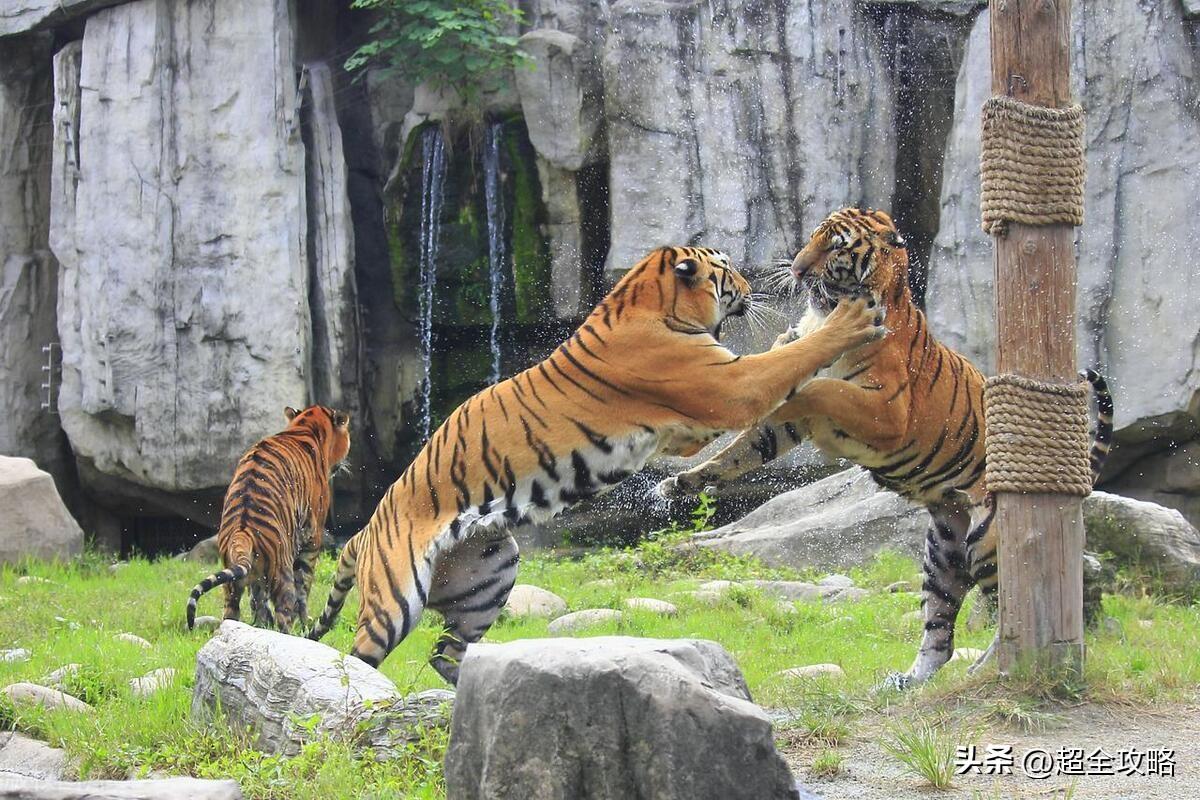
<point x="644" y="373"/>
<point x="274" y="517"/>
<point x="907" y="408"/>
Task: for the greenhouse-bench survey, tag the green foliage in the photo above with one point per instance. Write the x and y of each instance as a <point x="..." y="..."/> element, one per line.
<point x="452" y="43"/>
<point x="826" y="764"/>
<point x="924" y="749"/>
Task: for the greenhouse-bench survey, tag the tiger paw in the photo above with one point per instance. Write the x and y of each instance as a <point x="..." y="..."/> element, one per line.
<point x="677" y="487"/>
<point x="896" y="682"/>
<point x="856" y="322"/>
<point x="787" y="337"/>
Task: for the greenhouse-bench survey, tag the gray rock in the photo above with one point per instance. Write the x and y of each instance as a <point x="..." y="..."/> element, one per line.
<point x="160" y="789"/>
<point x="660" y="607"/>
<point x="561" y="98"/>
<point x="270" y="683"/>
<point x="59" y="677"/>
<point x="152" y="682"/>
<point x="583" y="619"/>
<point x="813" y="671"/>
<point x="843" y="520"/>
<point x="526" y="600"/>
<point x="836" y="580"/>
<point x="176" y="353"/>
<point x="22" y="16"/>
<point x="207" y="623"/>
<point x="204" y="550"/>
<point x="712" y="123"/>
<point x="33" y="694"/>
<point x="16" y="654"/>
<point x="1191" y="9"/>
<point x="34" y="523"/>
<point x="899" y="586"/>
<point x="788" y="590"/>
<point x="134" y="639"/>
<point x="28" y="272"/>
<point x="1145" y="533"/>
<point x="623" y="717"/>
<point x="835" y="523"/>
<point x="21" y="756"/>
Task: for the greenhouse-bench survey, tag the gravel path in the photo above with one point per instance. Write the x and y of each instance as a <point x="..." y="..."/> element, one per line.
<point x="869" y="773"/>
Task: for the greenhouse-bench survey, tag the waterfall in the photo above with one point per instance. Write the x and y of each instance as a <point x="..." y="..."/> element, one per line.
<point x="495" y="234"/>
<point x="433" y="180"/>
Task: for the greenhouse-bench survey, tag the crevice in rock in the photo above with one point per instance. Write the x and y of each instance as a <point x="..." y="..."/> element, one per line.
<point x="595" y="227"/>
<point x="923" y="51"/>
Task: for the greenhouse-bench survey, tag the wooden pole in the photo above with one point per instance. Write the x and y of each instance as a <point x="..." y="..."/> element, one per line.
<point x="1040" y="535"/>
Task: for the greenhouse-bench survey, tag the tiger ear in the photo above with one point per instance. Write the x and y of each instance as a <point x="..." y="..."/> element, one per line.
<point x="896" y="240"/>
<point x="290" y="413"/>
<point x="341" y="419"/>
<point x="686" y="268"/>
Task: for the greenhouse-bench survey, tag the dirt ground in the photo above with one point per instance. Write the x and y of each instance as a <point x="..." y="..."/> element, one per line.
<point x="869" y="773"/>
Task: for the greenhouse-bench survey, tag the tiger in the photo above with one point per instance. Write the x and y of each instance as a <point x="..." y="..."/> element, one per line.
<point x="273" y="518"/>
<point x="907" y="408"/>
<point x="644" y="373"/>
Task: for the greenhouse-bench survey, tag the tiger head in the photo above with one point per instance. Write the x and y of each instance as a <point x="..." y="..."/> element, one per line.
<point x="330" y="426"/>
<point x="851" y="254"/>
<point x="695" y="288"/>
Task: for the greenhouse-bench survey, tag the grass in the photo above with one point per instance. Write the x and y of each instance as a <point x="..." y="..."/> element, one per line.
<point x="75" y="618"/>
<point x="925" y="749"/>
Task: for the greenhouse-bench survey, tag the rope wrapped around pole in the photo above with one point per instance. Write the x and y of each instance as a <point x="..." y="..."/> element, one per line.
<point x="1037" y="436"/>
<point x="1032" y="165"/>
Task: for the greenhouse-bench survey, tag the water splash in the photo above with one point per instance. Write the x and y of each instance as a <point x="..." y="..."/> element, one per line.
<point x="433" y="184"/>
<point x="495" y="234"/>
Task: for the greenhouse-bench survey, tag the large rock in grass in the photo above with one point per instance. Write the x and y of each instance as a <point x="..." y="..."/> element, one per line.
<point x="836" y="523"/>
<point x="273" y="685"/>
<point x="845" y="519"/>
<point x="22" y="757"/>
<point x="161" y="789"/>
<point x="34" y="523"/>
<point x="609" y="718"/>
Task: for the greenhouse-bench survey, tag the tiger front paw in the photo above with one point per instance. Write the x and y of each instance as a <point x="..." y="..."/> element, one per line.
<point x="683" y="485"/>
<point x="858" y="321"/>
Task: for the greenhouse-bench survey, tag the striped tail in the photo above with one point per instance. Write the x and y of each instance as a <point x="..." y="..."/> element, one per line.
<point x="228" y="575"/>
<point x="343" y="582"/>
<point x="1102" y="442"/>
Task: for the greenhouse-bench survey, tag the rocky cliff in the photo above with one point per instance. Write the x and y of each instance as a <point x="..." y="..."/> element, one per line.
<point x="206" y="219"/>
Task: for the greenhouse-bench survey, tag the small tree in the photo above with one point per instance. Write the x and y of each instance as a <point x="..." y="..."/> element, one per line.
<point x="451" y="43"/>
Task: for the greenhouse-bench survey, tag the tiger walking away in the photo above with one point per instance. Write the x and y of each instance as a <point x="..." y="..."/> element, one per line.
<point x="644" y="373"/>
<point x="907" y="408"/>
<point x="274" y="518"/>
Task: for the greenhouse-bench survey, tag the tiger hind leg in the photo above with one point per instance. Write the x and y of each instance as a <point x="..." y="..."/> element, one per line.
<point x="259" y="606"/>
<point x="947" y="581"/>
<point x="470" y="586"/>
<point x="303" y="569"/>
<point x="392" y="597"/>
<point x="233" y="599"/>
<point x="283" y="597"/>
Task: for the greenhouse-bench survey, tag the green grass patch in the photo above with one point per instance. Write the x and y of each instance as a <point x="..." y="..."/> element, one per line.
<point x="1148" y="651"/>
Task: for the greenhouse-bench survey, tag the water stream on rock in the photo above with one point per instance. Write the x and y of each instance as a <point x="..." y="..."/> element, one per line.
<point x="495" y="234"/>
<point x="433" y="183"/>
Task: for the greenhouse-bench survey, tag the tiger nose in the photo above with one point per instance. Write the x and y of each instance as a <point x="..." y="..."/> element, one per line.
<point x="801" y="264"/>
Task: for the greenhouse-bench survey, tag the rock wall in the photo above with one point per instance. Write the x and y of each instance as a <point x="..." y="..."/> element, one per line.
<point x="1137" y="318"/>
<point x="205" y="210"/>
<point x="28" y="272"/>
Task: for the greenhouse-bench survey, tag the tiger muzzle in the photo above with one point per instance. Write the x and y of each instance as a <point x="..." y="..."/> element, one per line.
<point x="802" y="264"/>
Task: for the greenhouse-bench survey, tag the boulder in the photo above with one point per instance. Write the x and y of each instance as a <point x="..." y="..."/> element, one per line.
<point x="583" y="619"/>
<point x="609" y="717"/>
<point x="561" y="98"/>
<point x="21" y="756"/>
<point x="34" y="523"/>
<point x="15" y="654"/>
<point x="33" y="694"/>
<point x="272" y="684"/>
<point x="159" y="789"/>
<point x="29" y="15"/>
<point x="1144" y="533"/>
<point x="843" y="520"/>
<point x="533" y="601"/>
<point x="788" y="590"/>
<point x="133" y="639"/>
<point x="813" y="671"/>
<point x="152" y="682"/>
<point x="835" y="523"/>
<point x="204" y="551"/>
<point x="660" y="607"/>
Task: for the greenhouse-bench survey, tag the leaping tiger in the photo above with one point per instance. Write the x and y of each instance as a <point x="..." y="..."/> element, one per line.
<point x="274" y="517"/>
<point x="644" y="373"/>
<point x="907" y="408"/>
